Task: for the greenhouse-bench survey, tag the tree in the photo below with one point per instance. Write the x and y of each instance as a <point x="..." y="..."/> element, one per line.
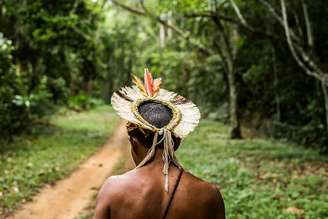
<point x="46" y="52"/>
<point x="224" y="44"/>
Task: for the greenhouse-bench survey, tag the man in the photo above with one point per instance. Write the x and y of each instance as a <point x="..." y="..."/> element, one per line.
<point x="158" y="188"/>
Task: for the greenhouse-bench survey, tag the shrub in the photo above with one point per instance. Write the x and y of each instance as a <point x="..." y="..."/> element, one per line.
<point x="83" y="101"/>
<point x="12" y="115"/>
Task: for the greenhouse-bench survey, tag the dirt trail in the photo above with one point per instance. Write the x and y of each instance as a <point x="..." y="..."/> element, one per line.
<point x="69" y="196"/>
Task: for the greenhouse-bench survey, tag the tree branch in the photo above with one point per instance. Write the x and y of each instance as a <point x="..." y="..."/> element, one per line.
<point x="225" y="37"/>
<point x="278" y="18"/>
<point x="238" y="13"/>
<point x="242" y="22"/>
<point x="128" y="8"/>
<point x="163" y="22"/>
<point x="210" y="14"/>
<point x="307" y="24"/>
<point x="315" y="71"/>
<point x="298" y="27"/>
<point x="183" y="34"/>
<point x="288" y="37"/>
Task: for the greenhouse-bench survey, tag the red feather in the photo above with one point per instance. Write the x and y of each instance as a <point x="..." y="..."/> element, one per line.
<point x="148" y="79"/>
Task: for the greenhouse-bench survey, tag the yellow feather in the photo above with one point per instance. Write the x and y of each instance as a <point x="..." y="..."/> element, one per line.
<point x="139" y="84"/>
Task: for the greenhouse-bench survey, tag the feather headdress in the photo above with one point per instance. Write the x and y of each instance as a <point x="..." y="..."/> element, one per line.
<point x="185" y="115"/>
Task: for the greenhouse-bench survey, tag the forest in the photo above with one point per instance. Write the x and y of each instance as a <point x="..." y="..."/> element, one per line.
<point x="256" y="66"/>
<point x="255" y="63"/>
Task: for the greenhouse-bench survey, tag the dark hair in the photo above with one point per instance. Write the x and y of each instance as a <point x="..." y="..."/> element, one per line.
<point x="157" y="115"/>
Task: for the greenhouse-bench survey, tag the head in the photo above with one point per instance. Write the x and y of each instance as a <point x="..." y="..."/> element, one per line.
<point x="141" y="140"/>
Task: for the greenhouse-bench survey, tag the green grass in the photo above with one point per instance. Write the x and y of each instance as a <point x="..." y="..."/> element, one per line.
<point x="259" y="178"/>
<point x="50" y="153"/>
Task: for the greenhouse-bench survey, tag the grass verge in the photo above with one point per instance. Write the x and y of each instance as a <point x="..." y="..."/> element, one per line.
<point x="50" y="152"/>
<point x="259" y="178"/>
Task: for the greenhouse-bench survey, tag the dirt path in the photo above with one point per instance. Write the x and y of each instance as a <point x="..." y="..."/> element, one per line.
<point x="69" y="196"/>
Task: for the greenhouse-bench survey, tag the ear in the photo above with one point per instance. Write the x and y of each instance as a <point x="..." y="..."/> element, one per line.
<point x="134" y="145"/>
<point x="177" y="142"/>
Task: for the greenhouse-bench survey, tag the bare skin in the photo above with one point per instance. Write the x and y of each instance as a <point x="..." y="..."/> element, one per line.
<point x="139" y="193"/>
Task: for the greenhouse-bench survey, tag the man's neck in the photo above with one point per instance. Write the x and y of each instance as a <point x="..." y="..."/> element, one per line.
<point x="157" y="161"/>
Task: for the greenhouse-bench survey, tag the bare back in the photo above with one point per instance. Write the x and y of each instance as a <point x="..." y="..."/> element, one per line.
<point x="139" y="194"/>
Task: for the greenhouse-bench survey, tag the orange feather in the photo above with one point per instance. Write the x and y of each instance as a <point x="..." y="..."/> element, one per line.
<point x="148" y="79"/>
<point x="156" y="85"/>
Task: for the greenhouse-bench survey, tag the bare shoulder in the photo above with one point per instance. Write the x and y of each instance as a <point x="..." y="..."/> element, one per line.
<point x="108" y="194"/>
<point x="106" y="191"/>
<point x="113" y="187"/>
<point x="209" y="192"/>
<point x="205" y="194"/>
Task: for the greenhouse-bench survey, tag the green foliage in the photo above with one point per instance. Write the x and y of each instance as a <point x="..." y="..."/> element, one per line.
<point x="49" y="56"/>
<point x="83" y="102"/>
<point x="183" y="73"/>
<point x="78" y="51"/>
<point x="270" y="84"/>
<point x="12" y="114"/>
<point x="50" y="153"/>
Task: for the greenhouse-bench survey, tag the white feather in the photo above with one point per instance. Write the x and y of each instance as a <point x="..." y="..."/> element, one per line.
<point x="165" y="95"/>
<point x="132" y="92"/>
<point x="190" y="114"/>
<point x="123" y="108"/>
<point x="190" y="117"/>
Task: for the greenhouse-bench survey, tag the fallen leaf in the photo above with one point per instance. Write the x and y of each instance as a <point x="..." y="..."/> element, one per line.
<point x="293" y="210"/>
<point x="16" y="189"/>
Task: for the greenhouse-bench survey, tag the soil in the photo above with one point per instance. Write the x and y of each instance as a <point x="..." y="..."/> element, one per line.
<point x="69" y="196"/>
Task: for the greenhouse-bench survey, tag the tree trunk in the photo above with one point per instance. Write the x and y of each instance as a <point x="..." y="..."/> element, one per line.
<point x="276" y="82"/>
<point x="235" y="132"/>
<point x="325" y="96"/>
<point x="227" y="52"/>
<point x="161" y="35"/>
